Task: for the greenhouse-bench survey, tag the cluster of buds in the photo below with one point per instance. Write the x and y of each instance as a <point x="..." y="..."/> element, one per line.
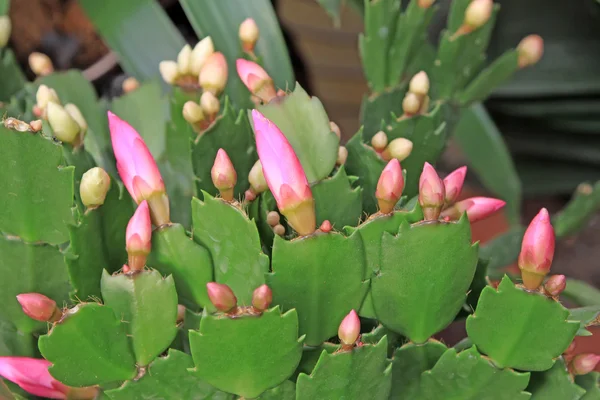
<point x="257" y="80"/>
<point x="93" y="188"/>
<point x="274" y="219"/>
<point x="223" y="175"/>
<point x="349" y="331"/>
<point x="67" y="122"/>
<point x="40" y="64"/>
<point x="138" y="238"/>
<point x="537" y="252"/>
<point x="390" y="187"/>
<point x="5" y="30"/>
<point x="201" y="115"/>
<point x="399" y="148"/>
<point x="416" y="100"/>
<point x="248" y="34"/>
<point x="438" y="198"/>
<point x="224" y="300"/>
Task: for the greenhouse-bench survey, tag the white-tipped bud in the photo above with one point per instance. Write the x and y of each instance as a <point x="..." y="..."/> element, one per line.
<point x="184" y="60"/>
<point x="94" y="187"/>
<point x="130" y="84"/>
<point x="169" y="71"/>
<point x="5" y="29"/>
<point x="335" y="129"/>
<point x="76" y="114"/>
<point x="478" y="13"/>
<point x="45" y="95"/>
<point x="248" y="34"/>
<point x="65" y="128"/>
<point x="342" y="155"/>
<point x="200" y="54"/>
<point x="257" y="179"/>
<point x="419" y="84"/>
<point x="379" y="141"/>
<point x="411" y="104"/>
<point x="192" y="112"/>
<point x="210" y="104"/>
<point x="40" y="64"/>
<point x="399" y="149"/>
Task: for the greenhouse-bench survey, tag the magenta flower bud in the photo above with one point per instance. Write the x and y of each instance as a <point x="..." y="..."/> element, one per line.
<point x="39" y="307"/>
<point x="138" y="170"/>
<point x="555" y="285"/>
<point x="223" y="175"/>
<point x="584" y="363"/>
<point x="349" y="329"/>
<point x="284" y="175"/>
<point x="213" y="75"/>
<point x="326" y="226"/>
<point x="262" y="298"/>
<point x="256" y="79"/>
<point x="431" y="193"/>
<point x="477" y="208"/>
<point x="537" y="250"/>
<point x="221" y="296"/>
<point x="390" y="186"/>
<point x="138" y="237"/>
<point x="453" y="184"/>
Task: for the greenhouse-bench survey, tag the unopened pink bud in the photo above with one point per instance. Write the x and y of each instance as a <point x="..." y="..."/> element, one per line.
<point x="453" y="184"/>
<point x="32" y="375"/>
<point x="221" y="296"/>
<point x="431" y="193"/>
<point x="555" y="285"/>
<point x="138" y="237"/>
<point x="262" y="298"/>
<point x="349" y="329"/>
<point x="477" y="208"/>
<point x="256" y="79"/>
<point x="530" y="50"/>
<point x="537" y="250"/>
<point x="584" y="363"/>
<point x="39" y="307"/>
<point x="325" y="226"/>
<point x="223" y="175"/>
<point x="213" y="75"/>
<point x="390" y="186"/>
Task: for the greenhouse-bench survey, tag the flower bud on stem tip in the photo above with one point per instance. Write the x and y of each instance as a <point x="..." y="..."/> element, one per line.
<point x="221" y="296"/>
<point x="94" y="186"/>
<point x="210" y="105"/>
<point x="537" y="250"/>
<point x="256" y="177"/>
<point x="262" y="298"/>
<point x="399" y="148"/>
<point x="325" y="226"/>
<point x="279" y="230"/>
<point x="192" y="112"/>
<point x="389" y="187"/>
<point x="200" y="54"/>
<point x="213" y="75"/>
<point x="342" y="155"/>
<point x="411" y="104"/>
<point x="335" y="129"/>
<point x="169" y="71"/>
<point x="40" y="64"/>
<point x="419" y="84"/>
<point x="530" y="50"/>
<point x="39" y="307"/>
<point x="379" y="141"/>
<point x="431" y="193"/>
<point x="453" y="184"/>
<point x="65" y="128"/>
<point x="138" y="237"/>
<point x="223" y="175"/>
<point x="477" y="208"/>
<point x="555" y="285"/>
<point x="248" y="34"/>
<point x="273" y="218"/>
<point x="478" y="14"/>
<point x="584" y="363"/>
<point x="256" y="79"/>
<point x="130" y="84"/>
<point x="349" y="329"/>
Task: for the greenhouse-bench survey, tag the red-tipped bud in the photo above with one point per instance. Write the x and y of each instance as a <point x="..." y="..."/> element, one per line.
<point x="555" y="285"/>
<point x="477" y="208"/>
<point x="221" y="296"/>
<point x="213" y="75"/>
<point x="537" y="250"/>
<point x="390" y="186"/>
<point x="431" y="193"/>
<point x="584" y="363"/>
<point x="39" y="307"/>
<point x="478" y="13"/>
<point x="223" y="175"/>
<point x="262" y="298"/>
<point x="256" y="79"/>
<point x="349" y="329"/>
<point x="248" y="34"/>
<point x="138" y="237"/>
<point x="325" y="226"/>
<point x="453" y="184"/>
<point x="530" y="50"/>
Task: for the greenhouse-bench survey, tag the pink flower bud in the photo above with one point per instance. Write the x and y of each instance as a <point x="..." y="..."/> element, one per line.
<point x="453" y="184"/>
<point x="349" y="329"/>
<point x="555" y="285"/>
<point x="138" y="237"/>
<point x="262" y="298"/>
<point x="221" y="296"/>
<point x="431" y="193"/>
<point x="223" y="175"/>
<point x="284" y="175"/>
<point x="530" y="50"/>
<point x="584" y="363"/>
<point x="390" y="186"/>
<point x="537" y="250"/>
<point x="256" y="79"/>
<point x="39" y="307"/>
<point x="325" y="226"/>
<point x="477" y="208"/>
<point x="138" y="170"/>
<point x="213" y="75"/>
<point x="31" y="374"/>
<point x="248" y="34"/>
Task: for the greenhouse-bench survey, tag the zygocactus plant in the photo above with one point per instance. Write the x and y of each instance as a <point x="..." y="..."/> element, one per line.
<point x="246" y="254"/>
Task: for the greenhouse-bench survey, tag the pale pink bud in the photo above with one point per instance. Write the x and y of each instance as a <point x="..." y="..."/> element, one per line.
<point x="39" y="307"/>
<point x="399" y="148"/>
<point x="213" y="75"/>
<point x="279" y="230"/>
<point x="273" y="218"/>
<point x="130" y="84"/>
<point x="477" y="208"/>
<point x="349" y="329"/>
<point x="530" y="50"/>
<point x="390" y="186"/>
<point x="342" y="155"/>
<point x="431" y="193"/>
<point x="210" y="104"/>
<point x="138" y="237"/>
<point x="478" y="13"/>
<point x="256" y="79"/>
<point x="453" y="184"/>
<point x="284" y="175"/>
<point x="537" y="250"/>
<point x="137" y="169"/>
<point x="223" y="175"/>
<point x="419" y="84"/>
<point x="221" y="296"/>
<point x="248" y="34"/>
<point x="555" y="285"/>
<point x="379" y="142"/>
<point x="325" y="226"/>
<point x="411" y="104"/>
<point x="31" y="374"/>
<point x="262" y="298"/>
<point x="180" y="313"/>
<point x="40" y="64"/>
<point x="584" y="363"/>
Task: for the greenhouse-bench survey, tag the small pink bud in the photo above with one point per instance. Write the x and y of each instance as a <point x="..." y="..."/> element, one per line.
<point x="555" y="285"/>
<point x="284" y="175"/>
<point x="537" y="250"/>
<point x="478" y="13"/>
<point x="138" y="237"/>
<point x="39" y="307"/>
<point x="379" y="142"/>
<point x="431" y="193"/>
<point x="262" y="298"/>
<point x="325" y="226"/>
<point x="249" y="195"/>
<point x="221" y="296"/>
<point x="349" y="329"/>
<point x="390" y="186"/>
<point x="453" y="184"/>
<point x="248" y="34"/>
<point x="477" y="208"/>
<point x="584" y="363"/>
<point x="256" y="79"/>
<point x="223" y="175"/>
<point x="530" y="50"/>
<point x="213" y="75"/>
<point x="419" y="84"/>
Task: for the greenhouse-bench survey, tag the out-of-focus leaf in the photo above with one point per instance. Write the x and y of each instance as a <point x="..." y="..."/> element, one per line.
<point x="581" y="293"/>
<point x="575" y="215"/>
<point x="333" y="9"/>
<point x="11" y="76"/>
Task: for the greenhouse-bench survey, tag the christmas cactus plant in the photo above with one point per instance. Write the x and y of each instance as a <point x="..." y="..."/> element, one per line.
<point x="187" y="246"/>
